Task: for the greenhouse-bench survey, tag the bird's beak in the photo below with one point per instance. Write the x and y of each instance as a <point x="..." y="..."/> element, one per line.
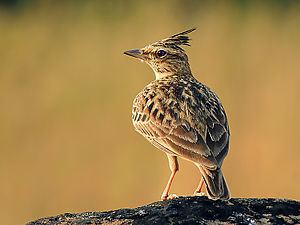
<point x="136" y="53"/>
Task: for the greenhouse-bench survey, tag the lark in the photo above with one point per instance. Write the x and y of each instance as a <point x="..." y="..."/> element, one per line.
<point x="181" y="116"/>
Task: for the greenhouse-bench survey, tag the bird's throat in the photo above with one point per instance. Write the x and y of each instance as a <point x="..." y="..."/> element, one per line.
<point x="159" y="75"/>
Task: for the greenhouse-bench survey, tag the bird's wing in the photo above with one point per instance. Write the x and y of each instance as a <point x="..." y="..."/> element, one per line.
<point x="217" y="129"/>
<point x="196" y="135"/>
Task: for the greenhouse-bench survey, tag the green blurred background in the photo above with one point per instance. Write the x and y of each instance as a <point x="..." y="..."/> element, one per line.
<point x="66" y="89"/>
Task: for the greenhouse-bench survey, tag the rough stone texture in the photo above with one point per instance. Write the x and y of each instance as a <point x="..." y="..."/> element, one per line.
<point x="191" y="210"/>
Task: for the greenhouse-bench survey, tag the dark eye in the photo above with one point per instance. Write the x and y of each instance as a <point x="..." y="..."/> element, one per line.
<point x="161" y="53"/>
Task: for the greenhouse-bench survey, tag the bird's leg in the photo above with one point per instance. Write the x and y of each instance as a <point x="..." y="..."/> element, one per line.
<point x="174" y="166"/>
<point x="198" y="189"/>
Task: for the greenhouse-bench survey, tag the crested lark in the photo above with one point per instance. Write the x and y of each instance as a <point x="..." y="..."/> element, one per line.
<point x="181" y="116"/>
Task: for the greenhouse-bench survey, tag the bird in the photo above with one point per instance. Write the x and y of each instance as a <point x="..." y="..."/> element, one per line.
<point x="181" y="116"/>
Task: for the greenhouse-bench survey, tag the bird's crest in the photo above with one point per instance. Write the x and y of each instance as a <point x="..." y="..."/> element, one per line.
<point x="176" y="40"/>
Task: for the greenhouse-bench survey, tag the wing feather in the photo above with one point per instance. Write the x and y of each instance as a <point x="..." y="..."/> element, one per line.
<point x="194" y="128"/>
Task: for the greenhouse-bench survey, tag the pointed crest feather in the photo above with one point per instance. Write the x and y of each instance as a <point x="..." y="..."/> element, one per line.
<point x="177" y="39"/>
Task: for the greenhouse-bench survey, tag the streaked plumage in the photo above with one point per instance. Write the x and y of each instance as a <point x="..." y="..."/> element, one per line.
<point x="182" y="116"/>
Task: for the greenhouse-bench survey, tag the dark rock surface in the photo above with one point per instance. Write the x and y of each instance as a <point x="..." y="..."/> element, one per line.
<point x="191" y="210"/>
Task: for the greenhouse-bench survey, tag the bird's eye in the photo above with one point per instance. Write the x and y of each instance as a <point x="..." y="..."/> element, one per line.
<point x="161" y="53"/>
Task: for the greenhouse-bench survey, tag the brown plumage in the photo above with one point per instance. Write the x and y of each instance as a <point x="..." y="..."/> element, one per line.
<point x="181" y="116"/>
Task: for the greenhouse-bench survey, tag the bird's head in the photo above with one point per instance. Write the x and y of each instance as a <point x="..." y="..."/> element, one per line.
<point x="166" y="57"/>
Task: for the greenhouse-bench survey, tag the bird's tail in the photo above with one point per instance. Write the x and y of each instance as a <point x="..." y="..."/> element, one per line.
<point x="215" y="184"/>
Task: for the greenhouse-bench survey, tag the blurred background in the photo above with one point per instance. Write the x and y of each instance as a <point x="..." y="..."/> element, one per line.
<point x="66" y="89"/>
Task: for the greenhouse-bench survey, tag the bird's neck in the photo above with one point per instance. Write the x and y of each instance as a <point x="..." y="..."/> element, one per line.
<point x="179" y="71"/>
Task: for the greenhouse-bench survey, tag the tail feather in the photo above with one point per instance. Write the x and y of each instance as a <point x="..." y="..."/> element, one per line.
<point x="215" y="184"/>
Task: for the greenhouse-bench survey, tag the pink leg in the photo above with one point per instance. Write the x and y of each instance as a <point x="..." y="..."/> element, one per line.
<point x="198" y="189"/>
<point x="174" y="166"/>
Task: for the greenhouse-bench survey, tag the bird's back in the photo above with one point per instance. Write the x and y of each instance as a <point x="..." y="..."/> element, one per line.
<point x="183" y="117"/>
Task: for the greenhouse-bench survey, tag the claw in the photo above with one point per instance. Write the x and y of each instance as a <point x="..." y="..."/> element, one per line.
<point x="168" y="197"/>
<point x="164" y="197"/>
<point x="199" y="194"/>
<point x="172" y="196"/>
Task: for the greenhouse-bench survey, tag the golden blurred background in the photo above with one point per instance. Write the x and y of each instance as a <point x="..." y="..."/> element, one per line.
<point x="66" y="89"/>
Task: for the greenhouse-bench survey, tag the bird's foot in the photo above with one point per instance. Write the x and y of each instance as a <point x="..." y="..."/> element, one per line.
<point x="199" y="193"/>
<point x="168" y="197"/>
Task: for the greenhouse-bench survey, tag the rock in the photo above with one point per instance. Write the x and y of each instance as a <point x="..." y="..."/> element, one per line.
<point x="189" y="211"/>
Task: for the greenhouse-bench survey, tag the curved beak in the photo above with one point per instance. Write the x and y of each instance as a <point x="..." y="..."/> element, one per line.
<point x="136" y="53"/>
